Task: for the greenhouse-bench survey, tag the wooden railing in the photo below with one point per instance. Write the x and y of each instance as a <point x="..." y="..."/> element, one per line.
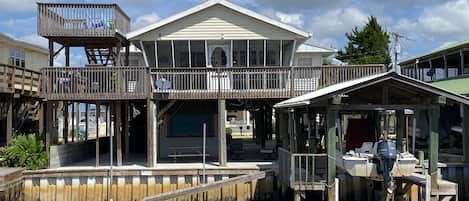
<point x="95" y="83"/>
<point x="19" y="80"/>
<point x="81" y="20"/>
<point x="244" y="83"/>
<point x="302" y="171"/>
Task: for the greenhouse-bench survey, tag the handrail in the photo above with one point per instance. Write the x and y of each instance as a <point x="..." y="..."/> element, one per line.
<point x="81" y="20"/>
<point x="206" y="187"/>
<point x="25" y="81"/>
<point x="301" y="170"/>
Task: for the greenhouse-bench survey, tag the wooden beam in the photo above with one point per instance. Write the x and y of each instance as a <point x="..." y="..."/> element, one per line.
<point x="127" y="53"/>
<point x="155" y="134"/>
<point x="222" y="155"/>
<point x="78" y="119"/>
<point x="66" y="122"/>
<point x="400" y="131"/>
<point x="41" y="118"/>
<point x="73" y="122"/>
<point x="434" y="116"/>
<point x="206" y="187"/>
<point x="49" y="125"/>
<point x="9" y="123"/>
<point x="149" y="133"/>
<point x="292" y="130"/>
<point x="117" y="128"/>
<point x="375" y="107"/>
<point x="67" y="55"/>
<point x="126" y="130"/>
<point x="465" y="133"/>
<point x="98" y="113"/>
<point x="331" y="118"/>
<point x="87" y="126"/>
<point x="461" y="56"/>
<point x="51" y="52"/>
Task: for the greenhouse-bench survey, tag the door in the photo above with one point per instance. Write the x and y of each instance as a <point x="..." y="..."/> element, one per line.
<point x="219" y="57"/>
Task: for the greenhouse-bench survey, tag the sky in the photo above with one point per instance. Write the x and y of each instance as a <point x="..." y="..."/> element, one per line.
<point x="426" y="24"/>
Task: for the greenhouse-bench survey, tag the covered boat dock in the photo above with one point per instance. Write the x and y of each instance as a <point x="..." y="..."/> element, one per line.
<point x="319" y="122"/>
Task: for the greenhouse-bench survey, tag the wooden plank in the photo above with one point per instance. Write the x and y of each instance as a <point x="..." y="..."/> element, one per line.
<point x="126" y="130"/>
<point x="97" y="115"/>
<point x="465" y="134"/>
<point x="9" y="121"/>
<point x="205" y="187"/>
<point x="117" y="127"/>
<point x="222" y="154"/>
<point x="331" y="118"/>
<point x="434" y="116"/>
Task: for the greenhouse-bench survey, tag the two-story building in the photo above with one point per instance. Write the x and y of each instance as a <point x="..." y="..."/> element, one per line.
<point x="20" y="63"/>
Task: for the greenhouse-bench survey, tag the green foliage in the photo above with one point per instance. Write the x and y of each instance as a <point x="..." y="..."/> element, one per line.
<point x="229" y="131"/>
<point x="25" y="151"/>
<point x="367" y="46"/>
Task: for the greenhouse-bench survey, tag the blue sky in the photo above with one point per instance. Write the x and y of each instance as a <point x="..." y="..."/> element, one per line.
<point x="429" y="24"/>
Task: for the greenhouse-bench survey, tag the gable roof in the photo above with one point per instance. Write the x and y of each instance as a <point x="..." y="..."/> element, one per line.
<point x="437" y="52"/>
<point x="209" y="4"/>
<point x="23" y="44"/>
<point x="352" y="85"/>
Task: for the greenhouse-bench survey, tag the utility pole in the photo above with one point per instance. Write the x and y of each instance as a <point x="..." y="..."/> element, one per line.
<point x="397" y="49"/>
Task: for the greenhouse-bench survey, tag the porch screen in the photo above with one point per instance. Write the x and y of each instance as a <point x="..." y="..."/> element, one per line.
<point x="189" y="125"/>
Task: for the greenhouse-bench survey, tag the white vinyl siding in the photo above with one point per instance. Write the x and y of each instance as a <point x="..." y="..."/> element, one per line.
<point x="215" y="23"/>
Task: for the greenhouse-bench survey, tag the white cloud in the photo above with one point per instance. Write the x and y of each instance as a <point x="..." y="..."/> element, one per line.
<point x="295" y="19"/>
<point x="440" y="22"/>
<point x="76" y="60"/>
<point x="17" y="5"/>
<point x="335" y="23"/>
<point x="145" y="20"/>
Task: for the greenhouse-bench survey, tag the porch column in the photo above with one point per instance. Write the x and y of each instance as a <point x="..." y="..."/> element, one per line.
<point x="117" y="128"/>
<point x="222" y="132"/>
<point x="126" y="130"/>
<point x="465" y="133"/>
<point x="292" y="131"/>
<point x="97" y="114"/>
<point x="87" y="126"/>
<point x="150" y="148"/>
<point x="434" y="116"/>
<point x="331" y="118"/>
<point x="65" y="122"/>
<point x="155" y="134"/>
<point x="49" y="125"/>
<point x="9" y="123"/>
<point x="78" y="120"/>
<point x="400" y="130"/>
<point x="41" y="118"/>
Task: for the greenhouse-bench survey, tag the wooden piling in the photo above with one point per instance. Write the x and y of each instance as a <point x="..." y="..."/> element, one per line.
<point x="434" y="116"/>
<point x="331" y="118"/>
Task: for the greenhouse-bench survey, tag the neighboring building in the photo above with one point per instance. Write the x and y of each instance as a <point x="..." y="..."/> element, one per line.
<point x="312" y="55"/>
<point x="22" y="54"/>
<point x="446" y="67"/>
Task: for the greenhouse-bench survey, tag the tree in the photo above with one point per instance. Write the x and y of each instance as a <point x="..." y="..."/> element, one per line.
<point x="367" y="46"/>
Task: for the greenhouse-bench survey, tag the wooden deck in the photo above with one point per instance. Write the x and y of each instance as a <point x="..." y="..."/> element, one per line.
<point x="21" y="81"/>
<point x="81" y="20"/>
<point x="121" y="83"/>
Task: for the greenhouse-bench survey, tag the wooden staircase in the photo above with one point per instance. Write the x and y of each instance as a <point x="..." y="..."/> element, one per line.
<point x="102" y="56"/>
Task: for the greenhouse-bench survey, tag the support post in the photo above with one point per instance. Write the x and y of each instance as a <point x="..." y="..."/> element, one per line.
<point x="126" y="130"/>
<point x="222" y="156"/>
<point x="87" y="126"/>
<point x="117" y="128"/>
<point x="49" y="125"/>
<point x="331" y="118"/>
<point x="73" y="122"/>
<point x="292" y="131"/>
<point x="98" y="113"/>
<point x="149" y="133"/>
<point x="465" y="133"/>
<point x="400" y="132"/>
<point x="434" y="116"/>
<point x="9" y="126"/>
<point x="155" y="138"/>
<point x="127" y="53"/>
<point x="51" y="52"/>
<point x="78" y="119"/>
<point x="66" y="122"/>
<point x="41" y="118"/>
<point x="67" y="55"/>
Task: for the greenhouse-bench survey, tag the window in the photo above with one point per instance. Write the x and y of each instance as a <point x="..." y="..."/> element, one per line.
<point x="256" y="53"/>
<point x="239" y="53"/>
<point x="287" y="48"/>
<point x="149" y="47"/>
<point x="181" y="53"/>
<point x="305" y="61"/>
<point x="17" y="58"/>
<point x="198" y="53"/>
<point x="272" y="53"/>
<point x="165" y="55"/>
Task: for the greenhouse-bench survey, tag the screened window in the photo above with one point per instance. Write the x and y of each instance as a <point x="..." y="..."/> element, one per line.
<point x="272" y="53"/>
<point x="198" y="53"/>
<point x="181" y="53"/>
<point x="165" y="58"/>
<point x="149" y="47"/>
<point x="256" y="53"/>
<point x="240" y="53"/>
<point x="17" y="58"/>
<point x="305" y="61"/>
<point x="287" y="48"/>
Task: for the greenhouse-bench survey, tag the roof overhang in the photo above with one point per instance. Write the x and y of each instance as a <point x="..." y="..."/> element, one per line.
<point x="210" y="3"/>
<point x="353" y="85"/>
